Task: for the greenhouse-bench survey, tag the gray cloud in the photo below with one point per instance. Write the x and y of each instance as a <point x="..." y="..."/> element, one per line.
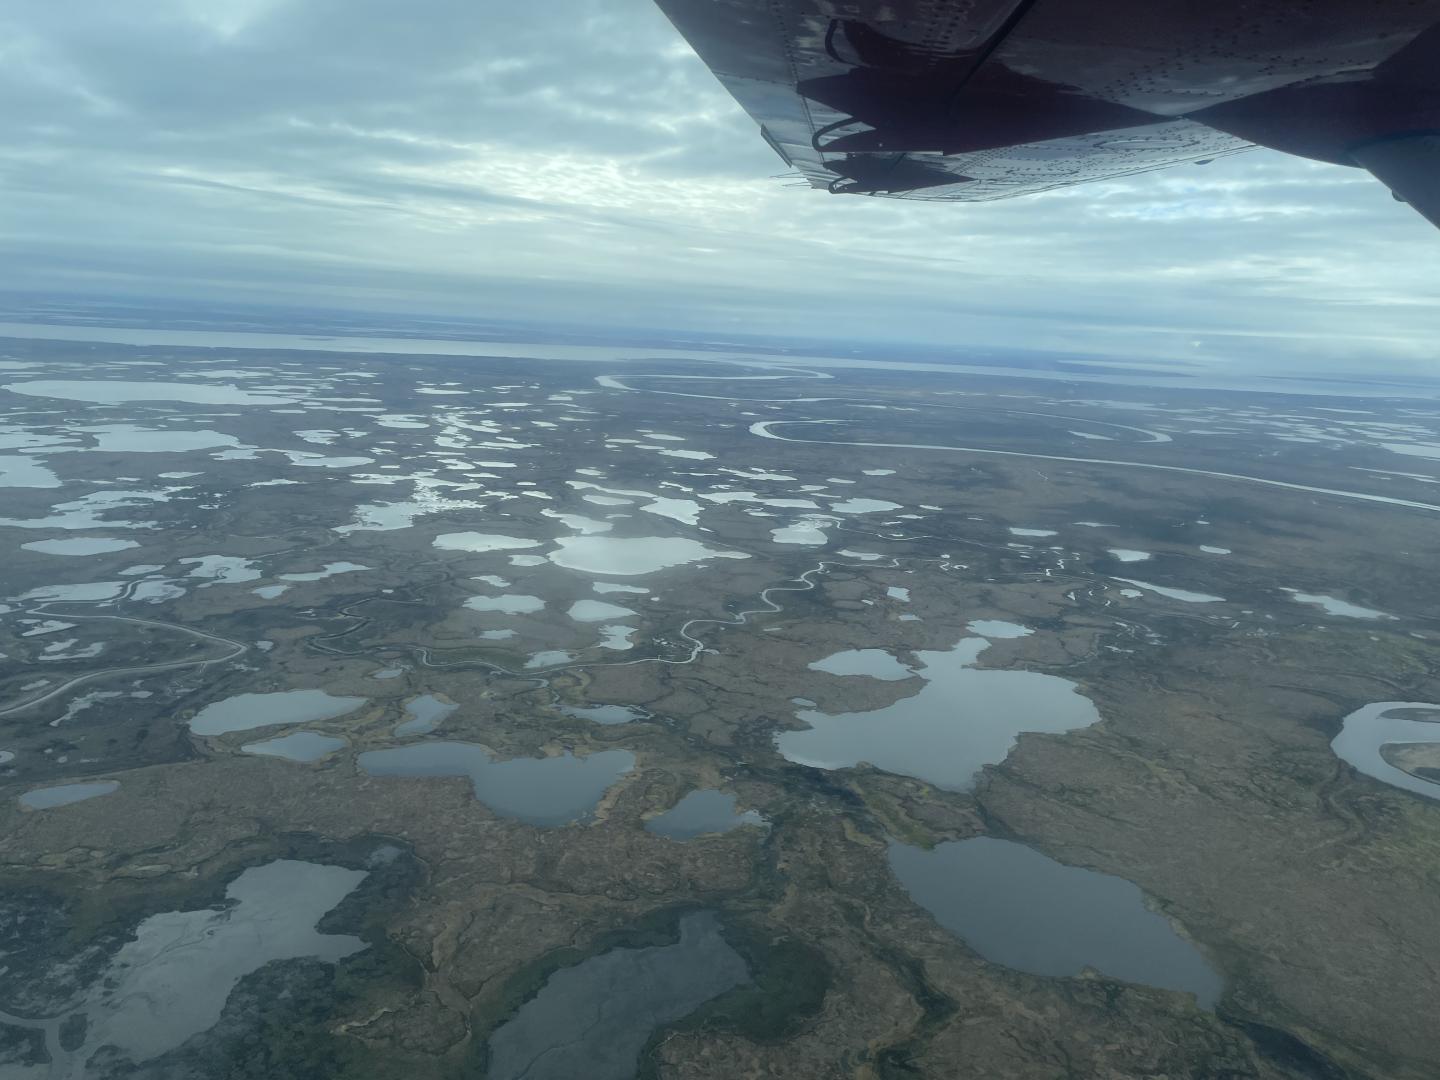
<point x="574" y="161"/>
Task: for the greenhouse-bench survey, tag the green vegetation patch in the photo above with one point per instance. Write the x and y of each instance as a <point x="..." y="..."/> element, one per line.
<point x="789" y="980"/>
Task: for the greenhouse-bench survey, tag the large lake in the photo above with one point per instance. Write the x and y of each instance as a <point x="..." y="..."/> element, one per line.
<point x="1017" y="907"/>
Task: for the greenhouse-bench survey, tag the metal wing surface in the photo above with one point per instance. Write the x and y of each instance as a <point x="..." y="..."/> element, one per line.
<point x="974" y="100"/>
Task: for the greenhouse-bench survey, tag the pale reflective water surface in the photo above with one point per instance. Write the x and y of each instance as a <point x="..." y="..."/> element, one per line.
<point x="1367" y="730"/>
<point x="246" y="711"/>
<point x="962" y="719"/>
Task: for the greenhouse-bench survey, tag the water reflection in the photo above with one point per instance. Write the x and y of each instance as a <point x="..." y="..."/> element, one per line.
<point x="65" y="794"/>
<point x="79" y="545"/>
<point x="116" y="392"/>
<point x="1014" y="906"/>
<point x="592" y="1020"/>
<point x="171" y="981"/>
<point x="246" y="711"/>
<point x="876" y="663"/>
<point x="1183" y="595"/>
<point x="629" y="556"/>
<point x="427" y="712"/>
<point x="962" y="719"/>
<point x="701" y="812"/>
<point x="1335" y="606"/>
<point x="1394" y="730"/>
<point x="605" y="714"/>
<point x="539" y="791"/>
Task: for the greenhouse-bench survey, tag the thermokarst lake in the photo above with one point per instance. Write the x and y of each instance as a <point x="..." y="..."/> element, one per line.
<point x="962" y="719"/>
<point x="540" y="791"/>
<point x="705" y="710"/>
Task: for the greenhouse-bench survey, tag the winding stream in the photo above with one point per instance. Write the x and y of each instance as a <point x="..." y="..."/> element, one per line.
<point x="1366" y="732"/>
<point x="237" y="649"/>
<point x="763" y="428"/>
<point x="767" y="429"/>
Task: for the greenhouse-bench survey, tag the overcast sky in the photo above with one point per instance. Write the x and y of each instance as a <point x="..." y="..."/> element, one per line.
<point x="572" y="160"/>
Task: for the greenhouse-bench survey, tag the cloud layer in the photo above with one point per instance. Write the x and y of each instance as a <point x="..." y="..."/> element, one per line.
<point x="574" y="161"/>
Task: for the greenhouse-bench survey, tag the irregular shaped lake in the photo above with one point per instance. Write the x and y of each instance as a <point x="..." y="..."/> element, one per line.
<point x="246" y="711"/>
<point x="1128" y="554"/>
<point x="506" y="604"/>
<point x="1016" y="907"/>
<point x="998" y="628"/>
<point x="875" y="663"/>
<point x="481" y="542"/>
<point x="1333" y="606"/>
<point x="863" y="506"/>
<point x="604" y="714"/>
<point x="25" y="472"/>
<point x="328" y="570"/>
<point x="701" y="812"/>
<point x="627" y="557"/>
<point x="962" y="719"/>
<point x="116" y="392"/>
<point x="65" y="794"/>
<point x="80" y="545"/>
<point x="426" y="713"/>
<point x="171" y="981"/>
<point x="130" y="439"/>
<point x="592" y="1020"/>
<point x="539" y="791"/>
<point x="597" y="611"/>
<point x="1184" y="595"/>
<point x="808" y="530"/>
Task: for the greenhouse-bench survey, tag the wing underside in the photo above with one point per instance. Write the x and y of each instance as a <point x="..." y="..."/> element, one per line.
<point x="974" y="100"/>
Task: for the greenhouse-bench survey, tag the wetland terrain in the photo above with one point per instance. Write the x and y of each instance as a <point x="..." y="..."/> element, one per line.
<point x="633" y="713"/>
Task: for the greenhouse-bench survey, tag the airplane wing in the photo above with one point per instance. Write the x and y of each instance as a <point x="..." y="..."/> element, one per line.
<point x="973" y="100"/>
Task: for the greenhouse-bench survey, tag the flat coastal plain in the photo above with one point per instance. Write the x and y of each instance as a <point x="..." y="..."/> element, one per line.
<point x="407" y="716"/>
